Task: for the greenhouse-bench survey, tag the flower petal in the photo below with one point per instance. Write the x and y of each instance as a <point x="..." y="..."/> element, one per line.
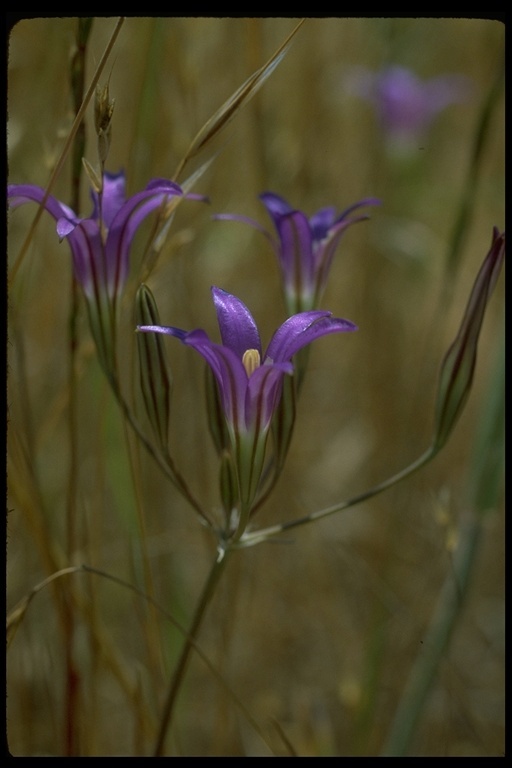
<point x="25" y="193"/>
<point x="125" y="224"/>
<point x="113" y="197"/>
<point x="229" y="373"/>
<point x="226" y="366"/>
<point x="275" y="204"/>
<point x="237" y="327"/>
<point x="263" y="393"/>
<point x="296" y="251"/>
<point x="88" y="260"/>
<point x="300" y="330"/>
<point x="321" y="221"/>
<point x="361" y="204"/>
<point x="243" y="220"/>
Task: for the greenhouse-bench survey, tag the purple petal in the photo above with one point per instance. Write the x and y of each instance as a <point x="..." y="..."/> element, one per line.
<point x="124" y="226"/>
<point x="321" y="221"/>
<point x="296" y="251"/>
<point x="226" y="366"/>
<point x="65" y="227"/>
<point x="237" y="327"/>
<point x="112" y="199"/>
<point x="83" y="236"/>
<point x="243" y="220"/>
<point x="325" y="251"/>
<point x="159" y="183"/>
<point x="167" y="329"/>
<point x="300" y="330"/>
<point x="229" y="372"/>
<point x="88" y="259"/>
<point x="263" y="392"/>
<point x="275" y="204"/>
<point x="25" y="193"/>
<point x="362" y="203"/>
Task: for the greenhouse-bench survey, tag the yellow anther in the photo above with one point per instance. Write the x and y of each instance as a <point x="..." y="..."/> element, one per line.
<point x="251" y="360"/>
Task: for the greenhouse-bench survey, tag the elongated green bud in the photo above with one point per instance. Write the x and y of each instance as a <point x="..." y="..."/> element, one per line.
<point x="458" y="365"/>
<point x="103" y="111"/>
<point x="283" y="422"/>
<point x="228" y="485"/>
<point x="155" y="373"/>
<point x="215" y="413"/>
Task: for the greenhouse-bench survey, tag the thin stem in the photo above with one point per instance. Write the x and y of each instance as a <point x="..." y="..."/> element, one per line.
<point x="72" y="695"/>
<point x="177" y="679"/>
<point x="249" y="539"/>
<point x="164" y="462"/>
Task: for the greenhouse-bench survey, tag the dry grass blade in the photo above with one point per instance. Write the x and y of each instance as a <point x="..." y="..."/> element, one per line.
<point x="16" y="616"/>
<point x="157" y="241"/>
<point x="231" y="107"/>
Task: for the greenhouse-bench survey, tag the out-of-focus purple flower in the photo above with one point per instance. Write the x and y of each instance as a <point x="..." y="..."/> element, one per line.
<point x="250" y="381"/>
<point x="405" y="104"/>
<point x="101" y="243"/>
<point x="304" y="246"/>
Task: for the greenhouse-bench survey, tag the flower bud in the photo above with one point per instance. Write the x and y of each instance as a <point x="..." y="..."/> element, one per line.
<point x="215" y="413"/>
<point x="459" y="363"/>
<point x="155" y="374"/>
<point x="228" y="485"/>
<point x="103" y="111"/>
<point x="283" y="422"/>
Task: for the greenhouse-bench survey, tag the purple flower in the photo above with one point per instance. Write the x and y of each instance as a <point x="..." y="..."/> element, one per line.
<point x="304" y="247"/>
<point x="250" y="381"/>
<point x="405" y="104"/>
<point x="101" y="243"/>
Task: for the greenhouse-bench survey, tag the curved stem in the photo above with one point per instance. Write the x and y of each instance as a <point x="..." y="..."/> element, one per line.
<point x="164" y="462"/>
<point x="208" y="590"/>
<point x="249" y="539"/>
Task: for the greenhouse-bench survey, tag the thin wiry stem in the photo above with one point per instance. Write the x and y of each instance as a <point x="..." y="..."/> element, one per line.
<point x="256" y="537"/>
<point x="216" y="571"/>
<point x="72" y="693"/>
<point x="165" y="463"/>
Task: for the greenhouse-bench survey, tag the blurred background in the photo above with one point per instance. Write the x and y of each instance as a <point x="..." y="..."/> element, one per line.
<point x="316" y="631"/>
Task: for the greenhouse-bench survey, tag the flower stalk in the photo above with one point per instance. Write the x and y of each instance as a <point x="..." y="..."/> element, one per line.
<point x="212" y="580"/>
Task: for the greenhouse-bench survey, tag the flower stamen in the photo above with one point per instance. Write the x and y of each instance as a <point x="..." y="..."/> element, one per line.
<point x="251" y="360"/>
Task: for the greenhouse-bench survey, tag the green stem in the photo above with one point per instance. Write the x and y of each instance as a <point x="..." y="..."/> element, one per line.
<point x="249" y="539"/>
<point x="425" y="668"/>
<point x="164" y="462"/>
<point x="208" y="590"/>
<point x="72" y="695"/>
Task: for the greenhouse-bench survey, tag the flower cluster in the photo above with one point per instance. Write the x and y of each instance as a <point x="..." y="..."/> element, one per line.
<point x="250" y="386"/>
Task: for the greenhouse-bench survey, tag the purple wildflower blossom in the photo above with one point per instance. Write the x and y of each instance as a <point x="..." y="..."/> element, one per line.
<point x="250" y="381"/>
<point x="101" y="243"/>
<point x="406" y="105"/>
<point x="304" y="246"/>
